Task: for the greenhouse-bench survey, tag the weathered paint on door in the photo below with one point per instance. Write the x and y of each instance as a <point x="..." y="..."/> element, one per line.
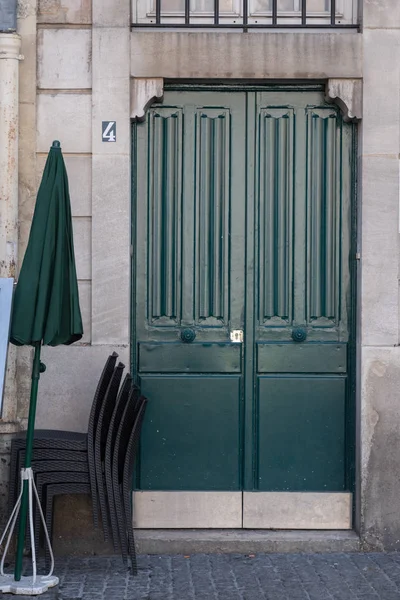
<point x="242" y="221"/>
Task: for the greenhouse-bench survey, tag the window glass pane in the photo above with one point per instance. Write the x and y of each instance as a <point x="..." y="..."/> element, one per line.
<point x="287" y="6"/>
<point x="260" y="6"/>
<point x="168" y="6"/>
<point x="318" y="6"/>
<point x="201" y="6"/>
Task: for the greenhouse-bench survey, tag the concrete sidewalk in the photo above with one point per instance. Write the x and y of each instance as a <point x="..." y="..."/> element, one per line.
<point x="339" y="576"/>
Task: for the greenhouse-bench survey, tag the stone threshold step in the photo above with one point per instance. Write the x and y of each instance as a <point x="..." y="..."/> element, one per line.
<point x="243" y="541"/>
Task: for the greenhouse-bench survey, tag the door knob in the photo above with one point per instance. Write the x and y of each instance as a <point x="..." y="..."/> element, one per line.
<point x="188" y="335"/>
<point x="299" y="334"/>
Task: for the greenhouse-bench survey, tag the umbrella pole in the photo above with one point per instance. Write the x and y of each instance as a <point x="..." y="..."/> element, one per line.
<point x="28" y="459"/>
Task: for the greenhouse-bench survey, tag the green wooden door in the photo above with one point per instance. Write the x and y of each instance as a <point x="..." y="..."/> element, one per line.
<point x="242" y="293"/>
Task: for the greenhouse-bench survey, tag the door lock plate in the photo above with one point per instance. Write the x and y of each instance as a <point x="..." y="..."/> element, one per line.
<point x="237" y="336"/>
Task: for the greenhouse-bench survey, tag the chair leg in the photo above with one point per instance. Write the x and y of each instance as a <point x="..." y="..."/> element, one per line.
<point x="121" y="522"/>
<point x="48" y="515"/>
<point x="93" y="489"/>
<point x="112" y="512"/>
<point x="102" y="500"/>
<point x="41" y="490"/>
<point x="127" y="494"/>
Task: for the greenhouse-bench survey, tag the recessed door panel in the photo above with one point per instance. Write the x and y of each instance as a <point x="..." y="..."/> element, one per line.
<point x="300" y="426"/>
<point x="191" y="434"/>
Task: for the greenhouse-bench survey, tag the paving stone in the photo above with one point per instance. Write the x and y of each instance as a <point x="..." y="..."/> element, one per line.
<point x="336" y="576"/>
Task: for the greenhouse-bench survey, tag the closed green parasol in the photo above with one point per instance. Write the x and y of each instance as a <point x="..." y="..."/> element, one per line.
<point x="46" y="301"/>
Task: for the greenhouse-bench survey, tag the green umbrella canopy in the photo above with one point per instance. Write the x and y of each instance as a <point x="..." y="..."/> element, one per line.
<point x="46" y="302"/>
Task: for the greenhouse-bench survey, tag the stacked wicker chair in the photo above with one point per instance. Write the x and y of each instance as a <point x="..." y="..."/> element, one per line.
<point x="94" y="463"/>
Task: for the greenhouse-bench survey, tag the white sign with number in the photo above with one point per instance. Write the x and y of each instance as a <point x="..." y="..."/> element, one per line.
<point x="109" y="131"/>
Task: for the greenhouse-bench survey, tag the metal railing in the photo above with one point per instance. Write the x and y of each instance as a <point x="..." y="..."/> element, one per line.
<point x="336" y="14"/>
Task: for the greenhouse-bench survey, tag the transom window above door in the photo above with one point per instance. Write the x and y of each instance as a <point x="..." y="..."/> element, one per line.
<point x="245" y="13"/>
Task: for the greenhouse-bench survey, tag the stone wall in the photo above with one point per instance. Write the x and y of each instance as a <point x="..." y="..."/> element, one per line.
<point x="379" y="356"/>
<point x="65" y="110"/>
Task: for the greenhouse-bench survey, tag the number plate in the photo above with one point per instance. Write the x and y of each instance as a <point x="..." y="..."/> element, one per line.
<point x="109" y="131"/>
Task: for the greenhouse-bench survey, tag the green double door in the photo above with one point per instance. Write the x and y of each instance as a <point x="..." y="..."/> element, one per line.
<point x="242" y="296"/>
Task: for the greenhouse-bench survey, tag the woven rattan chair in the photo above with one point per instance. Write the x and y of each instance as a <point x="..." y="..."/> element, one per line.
<point x="127" y="478"/>
<point x="60" y="471"/>
<point x="126" y="391"/>
<point x="100" y="439"/>
<point x="117" y="469"/>
<point x="65" y="441"/>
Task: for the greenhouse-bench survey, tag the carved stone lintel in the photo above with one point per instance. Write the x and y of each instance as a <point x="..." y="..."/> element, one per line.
<point x="347" y="94"/>
<point x="143" y="93"/>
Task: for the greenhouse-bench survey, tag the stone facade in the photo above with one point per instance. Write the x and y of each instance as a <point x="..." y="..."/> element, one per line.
<point x="79" y="60"/>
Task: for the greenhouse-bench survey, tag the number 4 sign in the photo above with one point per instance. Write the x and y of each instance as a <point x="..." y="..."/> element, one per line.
<point x="109" y="131"/>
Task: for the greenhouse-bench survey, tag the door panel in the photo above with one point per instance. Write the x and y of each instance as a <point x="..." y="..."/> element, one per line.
<point x="275" y="216"/>
<point x="242" y="204"/>
<point x="191" y="435"/>
<point x="302" y="234"/>
<point x="193" y="358"/>
<point x="301" y="445"/>
<point x="190" y="286"/>
<point x="288" y="357"/>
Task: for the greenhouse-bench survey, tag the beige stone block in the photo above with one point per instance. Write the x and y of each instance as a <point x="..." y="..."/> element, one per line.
<point x="64" y="58"/>
<point x="111" y="88"/>
<point x="8" y="406"/>
<point x="381" y="14"/>
<point x="24" y="381"/>
<point x="27" y="185"/>
<point x="180" y="510"/>
<point x="111" y="14"/>
<point x="24" y="230"/>
<point x="27" y="66"/>
<point x="111" y="267"/>
<point x="380" y="248"/>
<point x="85" y="302"/>
<point x="64" y="117"/>
<point x="67" y="387"/>
<point x="380" y="447"/>
<point x="267" y="55"/>
<point x="65" y="11"/>
<point x="297" y="510"/>
<point x="79" y="171"/>
<point x="381" y="92"/>
<point x="83" y="246"/>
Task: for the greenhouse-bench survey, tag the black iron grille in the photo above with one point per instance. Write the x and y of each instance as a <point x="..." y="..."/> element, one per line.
<point x="273" y="14"/>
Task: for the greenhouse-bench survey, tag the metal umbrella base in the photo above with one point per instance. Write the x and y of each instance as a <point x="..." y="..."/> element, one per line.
<point x="34" y="584"/>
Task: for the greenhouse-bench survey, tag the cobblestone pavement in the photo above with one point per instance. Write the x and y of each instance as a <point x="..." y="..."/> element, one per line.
<point x="231" y="577"/>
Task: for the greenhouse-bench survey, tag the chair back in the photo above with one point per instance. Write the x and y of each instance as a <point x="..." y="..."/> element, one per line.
<point x="101" y="390"/>
<point x="106" y="411"/>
